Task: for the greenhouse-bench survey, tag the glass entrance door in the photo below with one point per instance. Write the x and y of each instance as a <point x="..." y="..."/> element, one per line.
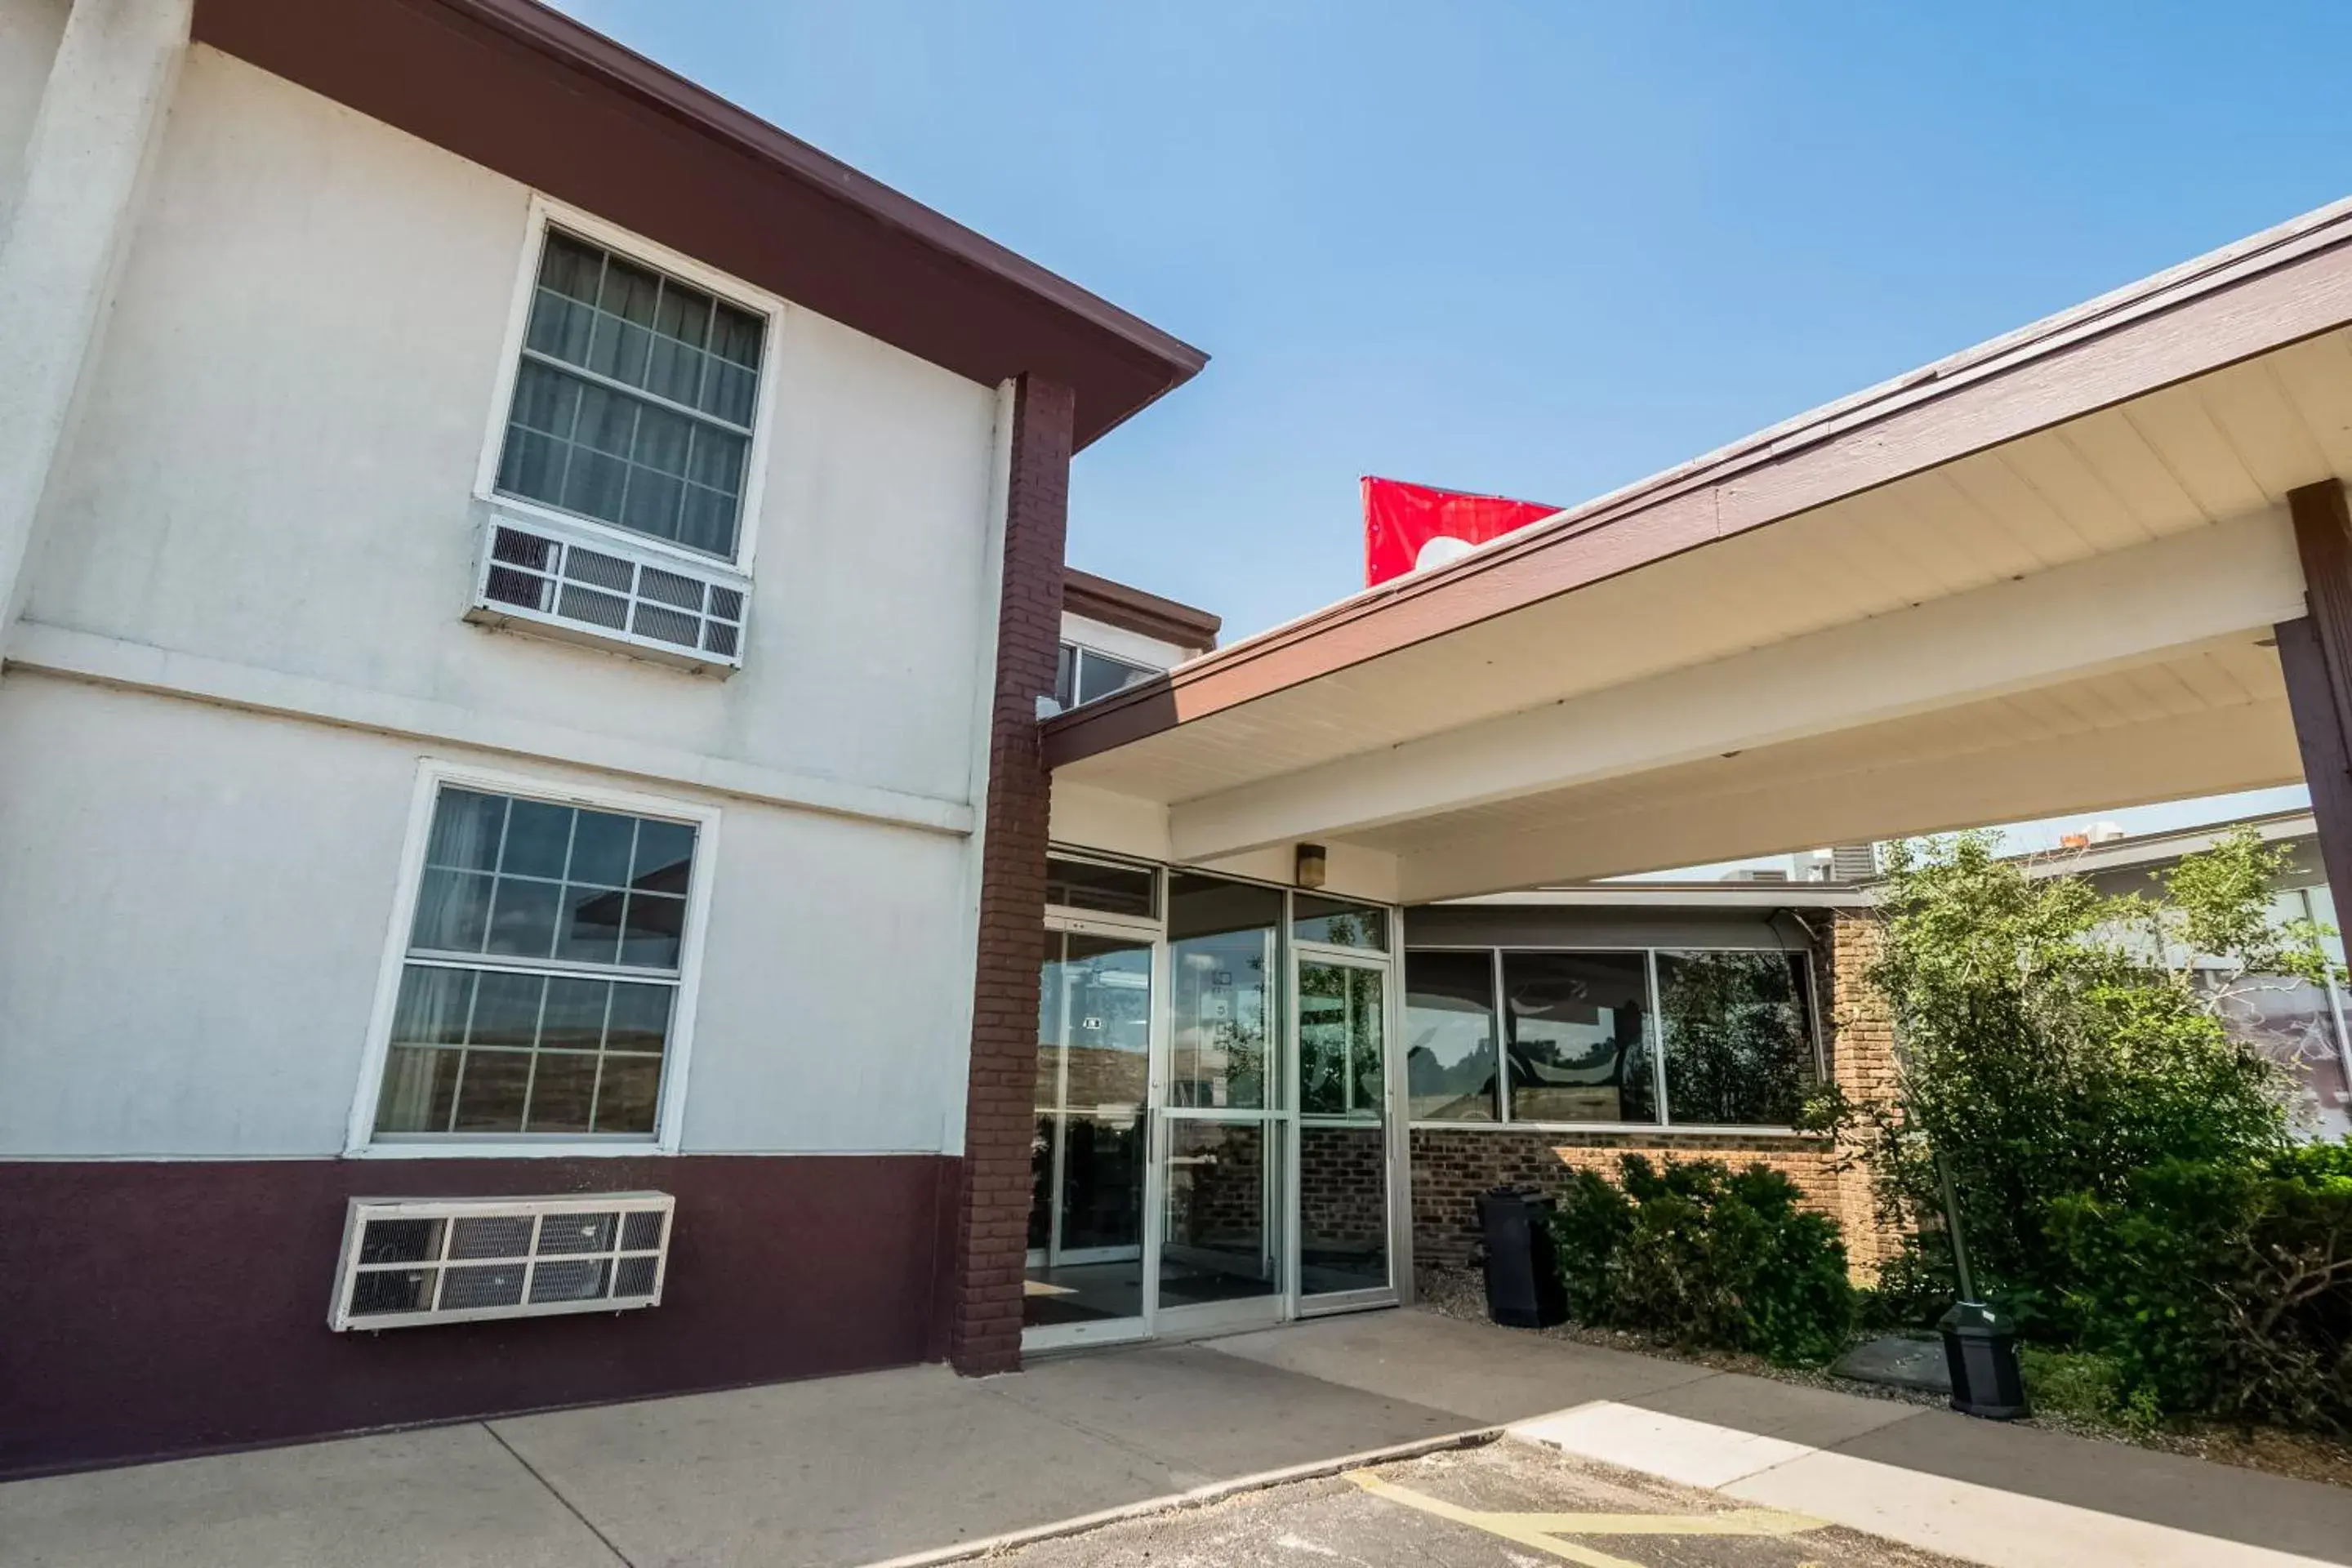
<point x="1217" y="1140"/>
<point x="1223" y="1238"/>
<point x="1089" y="1159"/>
<point x="1344" y="1211"/>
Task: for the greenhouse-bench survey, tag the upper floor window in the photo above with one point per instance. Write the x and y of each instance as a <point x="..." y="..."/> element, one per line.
<point x="1082" y="675"/>
<point x="634" y="399"/>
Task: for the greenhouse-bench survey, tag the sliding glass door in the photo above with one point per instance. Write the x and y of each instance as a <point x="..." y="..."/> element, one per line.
<point x="1216" y="1141"/>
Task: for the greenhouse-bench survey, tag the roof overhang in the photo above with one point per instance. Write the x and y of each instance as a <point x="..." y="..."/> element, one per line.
<point x="523" y="89"/>
<point x="2037" y="577"/>
<point x="1131" y="609"/>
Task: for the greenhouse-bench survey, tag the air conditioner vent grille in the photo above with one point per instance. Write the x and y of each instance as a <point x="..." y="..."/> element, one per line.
<point x="407" y="1262"/>
<point x="539" y="575"/>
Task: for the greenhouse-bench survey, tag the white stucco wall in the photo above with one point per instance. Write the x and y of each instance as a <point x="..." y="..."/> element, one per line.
<point x="253" y="556"/>
<point x="273" y="463"/>
<point x="29" y="30"/>
<point x="197" y="901"/>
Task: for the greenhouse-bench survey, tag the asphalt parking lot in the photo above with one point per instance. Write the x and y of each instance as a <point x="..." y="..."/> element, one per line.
<point x="1503" y="1505"/>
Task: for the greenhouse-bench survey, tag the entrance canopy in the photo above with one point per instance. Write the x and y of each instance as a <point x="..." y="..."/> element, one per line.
<point x="2044" y="576"/>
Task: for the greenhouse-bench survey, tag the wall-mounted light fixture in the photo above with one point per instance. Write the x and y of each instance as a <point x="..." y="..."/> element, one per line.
<point x="1309" y="872"/>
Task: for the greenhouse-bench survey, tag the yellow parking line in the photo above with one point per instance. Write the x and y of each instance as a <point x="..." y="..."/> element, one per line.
<point x="1542" y="1531"/>
<point x="1733" y="1522"/>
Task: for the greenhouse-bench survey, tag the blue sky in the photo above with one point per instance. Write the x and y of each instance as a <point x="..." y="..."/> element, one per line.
<point x="1538" y="248"/>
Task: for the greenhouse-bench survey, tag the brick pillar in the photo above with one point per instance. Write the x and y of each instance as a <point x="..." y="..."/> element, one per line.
<point x="992" y="1229"/>
<point x="1862" y="1063"/>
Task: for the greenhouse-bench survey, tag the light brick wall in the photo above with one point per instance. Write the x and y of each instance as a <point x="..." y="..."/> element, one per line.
<point x="1451" y="1165"/>
<point x="1862" y="1063"/>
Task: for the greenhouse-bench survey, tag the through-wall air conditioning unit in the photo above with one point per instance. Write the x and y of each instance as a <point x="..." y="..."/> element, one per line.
<point x="411" y="1261"/>
<point x="544" y="578"/>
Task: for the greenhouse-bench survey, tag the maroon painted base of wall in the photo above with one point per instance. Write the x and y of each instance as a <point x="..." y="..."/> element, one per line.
<point x="150" y="1310"/>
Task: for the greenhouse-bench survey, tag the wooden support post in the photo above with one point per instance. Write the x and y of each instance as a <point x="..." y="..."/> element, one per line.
<point x="2315" y="655"/>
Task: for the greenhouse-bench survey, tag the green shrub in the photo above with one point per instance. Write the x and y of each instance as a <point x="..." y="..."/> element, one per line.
<point x="2056" y="1041"/>
<point x="2088" y="1387"/>
<point x="2223" y="1288"/>
<point x="1696" y="1253"/>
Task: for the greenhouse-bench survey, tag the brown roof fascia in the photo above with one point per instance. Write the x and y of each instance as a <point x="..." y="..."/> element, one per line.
<point x="2262" y="294"/>
<point x="525" y="90"/>
<point x="1132" y="609"/>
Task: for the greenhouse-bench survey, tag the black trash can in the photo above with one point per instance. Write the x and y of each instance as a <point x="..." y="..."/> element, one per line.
<point x="1523" y="1288"/>
<point x="1981" y="1349"/>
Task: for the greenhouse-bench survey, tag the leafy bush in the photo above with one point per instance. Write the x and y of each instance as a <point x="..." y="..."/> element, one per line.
<point x="1696" y="1253"/>
<point x="2087" y="1386"/>
<point x="2222" y="1288"/>
<point x="2057" y="1041"/>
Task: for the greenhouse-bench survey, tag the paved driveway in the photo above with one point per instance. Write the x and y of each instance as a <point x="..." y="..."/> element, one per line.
<point x="1504" y="1505"/>
<point x="851" y="1470"/>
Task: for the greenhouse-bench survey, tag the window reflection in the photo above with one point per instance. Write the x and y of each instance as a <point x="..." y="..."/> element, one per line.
<point x="1222" y="1013"/>
<point x="1449" y="1028"/>
<point x="1576" y="1037"/>
<point x="1086" y="1162"/>
<point x="1739" y="1036"/>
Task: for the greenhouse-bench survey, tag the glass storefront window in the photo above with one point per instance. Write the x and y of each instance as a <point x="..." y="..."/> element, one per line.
<point x="1222" y="1016"/>
<point x="1340" y="1041"/>
<point x="1577" y="1037"/>
<point x="1449" y="1036"/>
<point x="1334" y="922"/>
<point x="1101" y="888"/>
<point x="1737" y="1037"/>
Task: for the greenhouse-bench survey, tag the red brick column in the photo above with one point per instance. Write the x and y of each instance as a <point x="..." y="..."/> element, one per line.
<point x="993" y="1229"/>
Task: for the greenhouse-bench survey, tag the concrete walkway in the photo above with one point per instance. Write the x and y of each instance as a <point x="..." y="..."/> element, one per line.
<point x="851" y="1470"/>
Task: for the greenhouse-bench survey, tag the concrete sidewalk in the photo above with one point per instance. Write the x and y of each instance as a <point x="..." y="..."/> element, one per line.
<point x="849" y="1471"/>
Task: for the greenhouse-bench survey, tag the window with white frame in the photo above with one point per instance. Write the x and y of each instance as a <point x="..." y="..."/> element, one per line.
<point x="540" y="985"/>
<point x="1082" y="675"/>
<point x="634" y="399"/>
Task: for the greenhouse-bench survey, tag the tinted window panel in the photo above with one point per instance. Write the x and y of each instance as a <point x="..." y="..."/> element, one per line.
<point x="1449" y="1036"/>
<point x="1577" y="1037"/>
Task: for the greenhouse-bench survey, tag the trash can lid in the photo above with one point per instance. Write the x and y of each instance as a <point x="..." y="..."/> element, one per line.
<point x="1975" y="1319"/>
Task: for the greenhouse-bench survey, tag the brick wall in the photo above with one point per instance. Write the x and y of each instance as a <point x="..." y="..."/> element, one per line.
<point x="1862" y="1063"/>
<point x="1450" y="1166"/>
<point x="984" y="1294"/>
<point x="1343" y="1188"/>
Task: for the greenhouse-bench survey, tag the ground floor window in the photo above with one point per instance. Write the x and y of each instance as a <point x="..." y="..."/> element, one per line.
<point x="539" y="983"/>
<point x="1632" y="1036"/>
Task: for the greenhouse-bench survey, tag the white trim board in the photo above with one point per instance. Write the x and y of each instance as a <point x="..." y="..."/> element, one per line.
<point x="142" y="667"/>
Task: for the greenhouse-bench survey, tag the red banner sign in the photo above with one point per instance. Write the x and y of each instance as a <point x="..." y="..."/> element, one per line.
<point x="1409" y="528"/>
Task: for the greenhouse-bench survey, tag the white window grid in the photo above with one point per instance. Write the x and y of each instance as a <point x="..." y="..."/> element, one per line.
<point x="433" y="776"/>
<point x="629" y="1264"/>
<point x="548" y="214"/>
<point x="668" y="978"/>
<point x="611" y="593"/>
